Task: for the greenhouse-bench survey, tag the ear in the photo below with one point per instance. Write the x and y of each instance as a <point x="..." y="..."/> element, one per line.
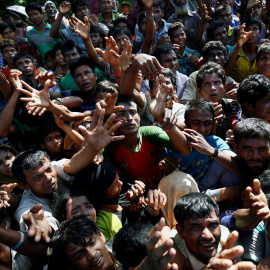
<point x="199" y="90"/>
<point x="235" y="147"/>
<point x="24" y="185"/>
<point x="180" y="231"/>
<point x="102" y="237"/>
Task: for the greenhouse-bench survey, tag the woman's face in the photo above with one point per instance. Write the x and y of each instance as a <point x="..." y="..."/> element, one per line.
<point x="6" y="160"/>
<point x="114" y="189"/>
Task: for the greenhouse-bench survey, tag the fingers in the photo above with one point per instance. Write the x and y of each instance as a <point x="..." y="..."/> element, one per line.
<point x="36" y="208"/>
<point x="158" y="227"/>
<point x="256" y="187"/>
<point x="27" y="86"/>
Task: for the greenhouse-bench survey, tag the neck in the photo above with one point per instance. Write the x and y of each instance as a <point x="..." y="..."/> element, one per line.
<point x="181" y="50"/>
<point x="107" y="15"/>
<point x="51" y="20"/>
<point x="40" y="26"/>
<point x="250" y="48"/>
<point x="132" y="140"/>
<point x="160" y="26"/>
<point x="114" y="208"/>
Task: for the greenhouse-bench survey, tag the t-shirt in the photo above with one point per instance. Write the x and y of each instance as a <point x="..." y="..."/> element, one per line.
<point x="196" y="164"/>
<point x="140" y="164"/>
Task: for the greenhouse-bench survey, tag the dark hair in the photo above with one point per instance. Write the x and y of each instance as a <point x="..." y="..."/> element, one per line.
<point x="213" y="45"/>
<point x="125" y="99"/>
<point x="5" y="25"/>
<point x="209" y="69"/>
<point x="8" y="148"/>
<point x="121" y="31"/>
<point x="83" y="60"/>
<point x="6" y="42"/>
<point x="75" y="230"/>
<point x="253" y="20"/>
<point x="33" y="6"/>
<point x="57" y="47"/>
<point x="213" y="26"/>
<point x="194" y="203"/>
<point x="68" y="45"/>
<point x="199" y="105"/>
<point x="160" y="4"/>
<point x="60" y="209"/>
<point x="25" y="54"/>
<point x="221" y="8"/>
<point x="161" y="50"/>
<point x="167" y="73"/>
<point x="49" y="54"/>
<point x="263" y="48"/>
<point x="173" y="27"/>
<point x="251" y="128"/>
<point x="48" y="128"/>
<point x="129" y="244"/>
<point x="141" y="17"/>
<point x="6" y="15"/>
<point x="80" y="3"/>
<point x="105" y="86"/>
<point x="252" y="89"/>
<point x="25" y="161"/>
<point x="264" y="179"/>
<point x="121" y="20"/>
<point x="125" y="3"/>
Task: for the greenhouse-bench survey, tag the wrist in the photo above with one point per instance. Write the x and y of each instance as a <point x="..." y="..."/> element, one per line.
<point x="149" y="12"/>
<point x="222" y="193"/>
<point x="213" y="153"/>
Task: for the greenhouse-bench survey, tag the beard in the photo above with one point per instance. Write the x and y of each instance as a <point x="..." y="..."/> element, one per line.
<point x="180" y="11"/>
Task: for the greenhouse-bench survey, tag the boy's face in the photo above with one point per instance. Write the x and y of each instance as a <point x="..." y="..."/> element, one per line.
<point x="81" y="12"/>
<point x="26" y="66"/>
<point x="257" y="11"/>
<point x="71" y="55"/>
<point x="35" y="17"/>
<point x="200" y="121"/>
<point x="85" y="78"/>
<point x="120" y="41"/>
<point x="255" y="33"/>
<point x="53" y="142"/>
<point x="59" y="58"/>
<point x="95" y="39"/>
<point x="216" y="56"/>
<point x="212" y="88"/>
<point x="221" y="34"/>
<point x="51" y="63"/>
<point x="263" y="64"/>
<point x="9" y="53"/>
<point x="179" y="37"/>
<point x="9" y="33"/>
<point x="100" y="96"/>
<point x="225" y="16"/>
<point x="158" y="13"/>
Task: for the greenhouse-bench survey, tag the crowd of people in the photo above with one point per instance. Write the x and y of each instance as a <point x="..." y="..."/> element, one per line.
<point x="135" y="140"/>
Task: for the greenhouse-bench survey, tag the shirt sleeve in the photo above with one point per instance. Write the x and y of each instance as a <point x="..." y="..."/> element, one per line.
<point x="59" y="167"/>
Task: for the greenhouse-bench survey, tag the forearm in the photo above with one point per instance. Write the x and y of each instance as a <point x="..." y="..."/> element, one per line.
<point x="244" y="221"/>
<point x="231" y="61"/>
<point x="5" y="87"/>
<point x="199" y="33"/>
<point x="73" y="134"/>
<point x="30" y="248"/>
<point x="90" y="49"/>
<point x="14" y="200"/>
<point x="54" y="33"/>
<point x="149" y="32"/>
<point x="71" y="102"/>
<point x="118" y="73"/>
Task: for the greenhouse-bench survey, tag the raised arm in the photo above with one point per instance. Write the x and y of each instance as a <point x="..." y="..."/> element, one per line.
<point x="64" y="9"/>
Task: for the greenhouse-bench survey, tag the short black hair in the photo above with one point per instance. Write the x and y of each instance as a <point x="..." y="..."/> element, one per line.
<point x="57" y="47"/>
<point x="141" y="17"/>
<point x="6" y="42"/>
<point x="68" y="45"/>
<point x="129" y="244"/>
<point x="263" y="48"/>
<point x="161" y="50"/>
<point x="213" y="45"/>
<point x="33" y="6"/>
<point x="194" y="203"/>
<point x="264" y="179"/>
<point x="221" y="8"/>
<point x="173" y="27"/>
<point x="209" y="69"/>
<point x="251" y="128"/>
<point x="199" y="105"/>
<point x="83" y="60"/>
<point x="25" y="161"/>
<point x="159" y="3"/>
<point x="80" y="3"/>
<point x="48" y="128"/>
<point x="49" y="54"/>
<point x="121" y="20"/>
<point x="125" y="99"/>
<point x="5" y="25"/>
<point x="252" y="89"/>
<point x="6" y="15"/>
<point x="121" y="31"/>
<point x="74" y="230"/>
<point x="105" y="86"/>
<point x="25" y="54"/>
<point x="253" y="20"/>
<point x="213" y="26"/>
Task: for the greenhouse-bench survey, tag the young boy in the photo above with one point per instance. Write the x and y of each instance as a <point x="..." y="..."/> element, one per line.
<point x="263" y="60"/>
<point x="187" y="58"/>
<point x="50" y="63"/>
<point x="211" y="86"/>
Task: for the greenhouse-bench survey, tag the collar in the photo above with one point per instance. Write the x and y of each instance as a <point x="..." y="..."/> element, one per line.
<point x="48" y="26"/>
<point x="186" y="51"/>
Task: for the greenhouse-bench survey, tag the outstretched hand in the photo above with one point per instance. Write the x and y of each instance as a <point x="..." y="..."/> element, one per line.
<point x="14" y="79"/>
<point x="5" y="194"/>
<point x="80" y="28"/>
<point x="242" y="35"/>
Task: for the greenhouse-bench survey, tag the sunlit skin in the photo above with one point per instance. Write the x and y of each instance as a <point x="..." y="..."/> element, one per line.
<point x="6" y="160"/>
<point x="263" y="64"/>
<point x="255" y="33"/>
<point x="86" y="79"/>
<point x="216" y="56"/>
<point x="53" y="142"/>
<point x="220" y="34"/>
<point x="35" y="17"/>
<point x="179" y="37"/>
<point x="26" y="66"/>
<point x="169" y="60"/>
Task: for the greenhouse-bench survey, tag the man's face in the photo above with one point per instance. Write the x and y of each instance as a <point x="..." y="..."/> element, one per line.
<point x="106" y="6"/>
<point x="257" y="11"/>
<point x="26" y="66"/>
<point x="129" y="117"/>
<point x="225" y="16"/>
<point x="180" y="3"/>
<point x="53" y="142"/>
<point x="9" y="53"/>
<point x="80" y="206"/>
<point x="81" y="12"/>
<point x="50" y="10"/>
<point x="200" y="121"/>
<point x="263" y="64"/>
<point x="179" y="37"/>
<point x="42" y="180"/>
<point x="261" y="109"/>
<point x="158" y="13"/>
<point x="10" y="19"/>
<point x="95" y="39"/>
<point x="85" y="78"/>
<point x="253" y="154"/>
<point x="10" y="34"/>
<point x="212" y="88"/>
<point x="201" y="235"/>
<point x="120" y="41"/>
<point x="71" y="55"/>
<point x="93" y="256"/>
<point x="6" y="160"/>
<point x="169" y="60"/>
<point x="216" y="56"/>
<point x="220" y="34"/>
<point x="114" y="189"/>
<point x="255" y="33"/>
<point x="35" y="17"/>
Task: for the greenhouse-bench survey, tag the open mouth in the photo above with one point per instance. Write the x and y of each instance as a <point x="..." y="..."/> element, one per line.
<point x="97" y="263"/>
<point x="209" y="246"/>
<point x="52" y="186"/>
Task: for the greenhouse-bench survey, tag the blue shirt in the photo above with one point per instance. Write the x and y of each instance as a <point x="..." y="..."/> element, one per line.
<point x="196" y="164"/>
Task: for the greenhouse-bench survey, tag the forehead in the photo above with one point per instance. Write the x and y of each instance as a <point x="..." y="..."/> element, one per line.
<point x="210" y="77"/>
<point x="33" y="171"/>
<point x="225" y="12"/>
<point x="178" y="31"/>
<point x="4" y="153"/>
<point x="73" y="50"/>
<point x="53" y="133"/>
<point x="215" y="51"/>
<point x="24" y="59"/>
<point x="200" y="116"/>
<point x="8" y="48"/>
<point x="50" y="6"/>
<point x="122" y="36"/>
<point x="7" y="29"/>
<point x="169" y="55"/>
<point x="265" y="54"/>
<point x="255" y="142"/>
<point x="130" y="105"/>
<point x="82" y="68"/>
<point x="34" y="11"/>
<point x="220" y="29"/>
<point x="253" y="25"/>
<point x="75" y="201"/>
<point x="80" y="7"/>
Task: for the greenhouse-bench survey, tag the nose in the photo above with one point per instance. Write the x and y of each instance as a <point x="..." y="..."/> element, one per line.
<point x="212" y="87"/>
<point x="256" y="155"/>
<point x="90" y="252"/>
<point x="207" y="234"/>
<point x="48" y="177"/>
<point x="201" y="129"/>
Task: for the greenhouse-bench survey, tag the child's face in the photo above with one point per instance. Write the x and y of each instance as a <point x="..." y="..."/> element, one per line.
<point x="95" y="39"/>
<point x="51" y="63"/>
<point x="263" y="64"/>
<point x="179" y="37"/>
<point x="53" y="142"/>
<point x="255" y="33"/>
<point x="59" y="58"/>
<point x="257" y="11"/>
<point x="212" y="88"/>
<point x="100" y="96"/>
